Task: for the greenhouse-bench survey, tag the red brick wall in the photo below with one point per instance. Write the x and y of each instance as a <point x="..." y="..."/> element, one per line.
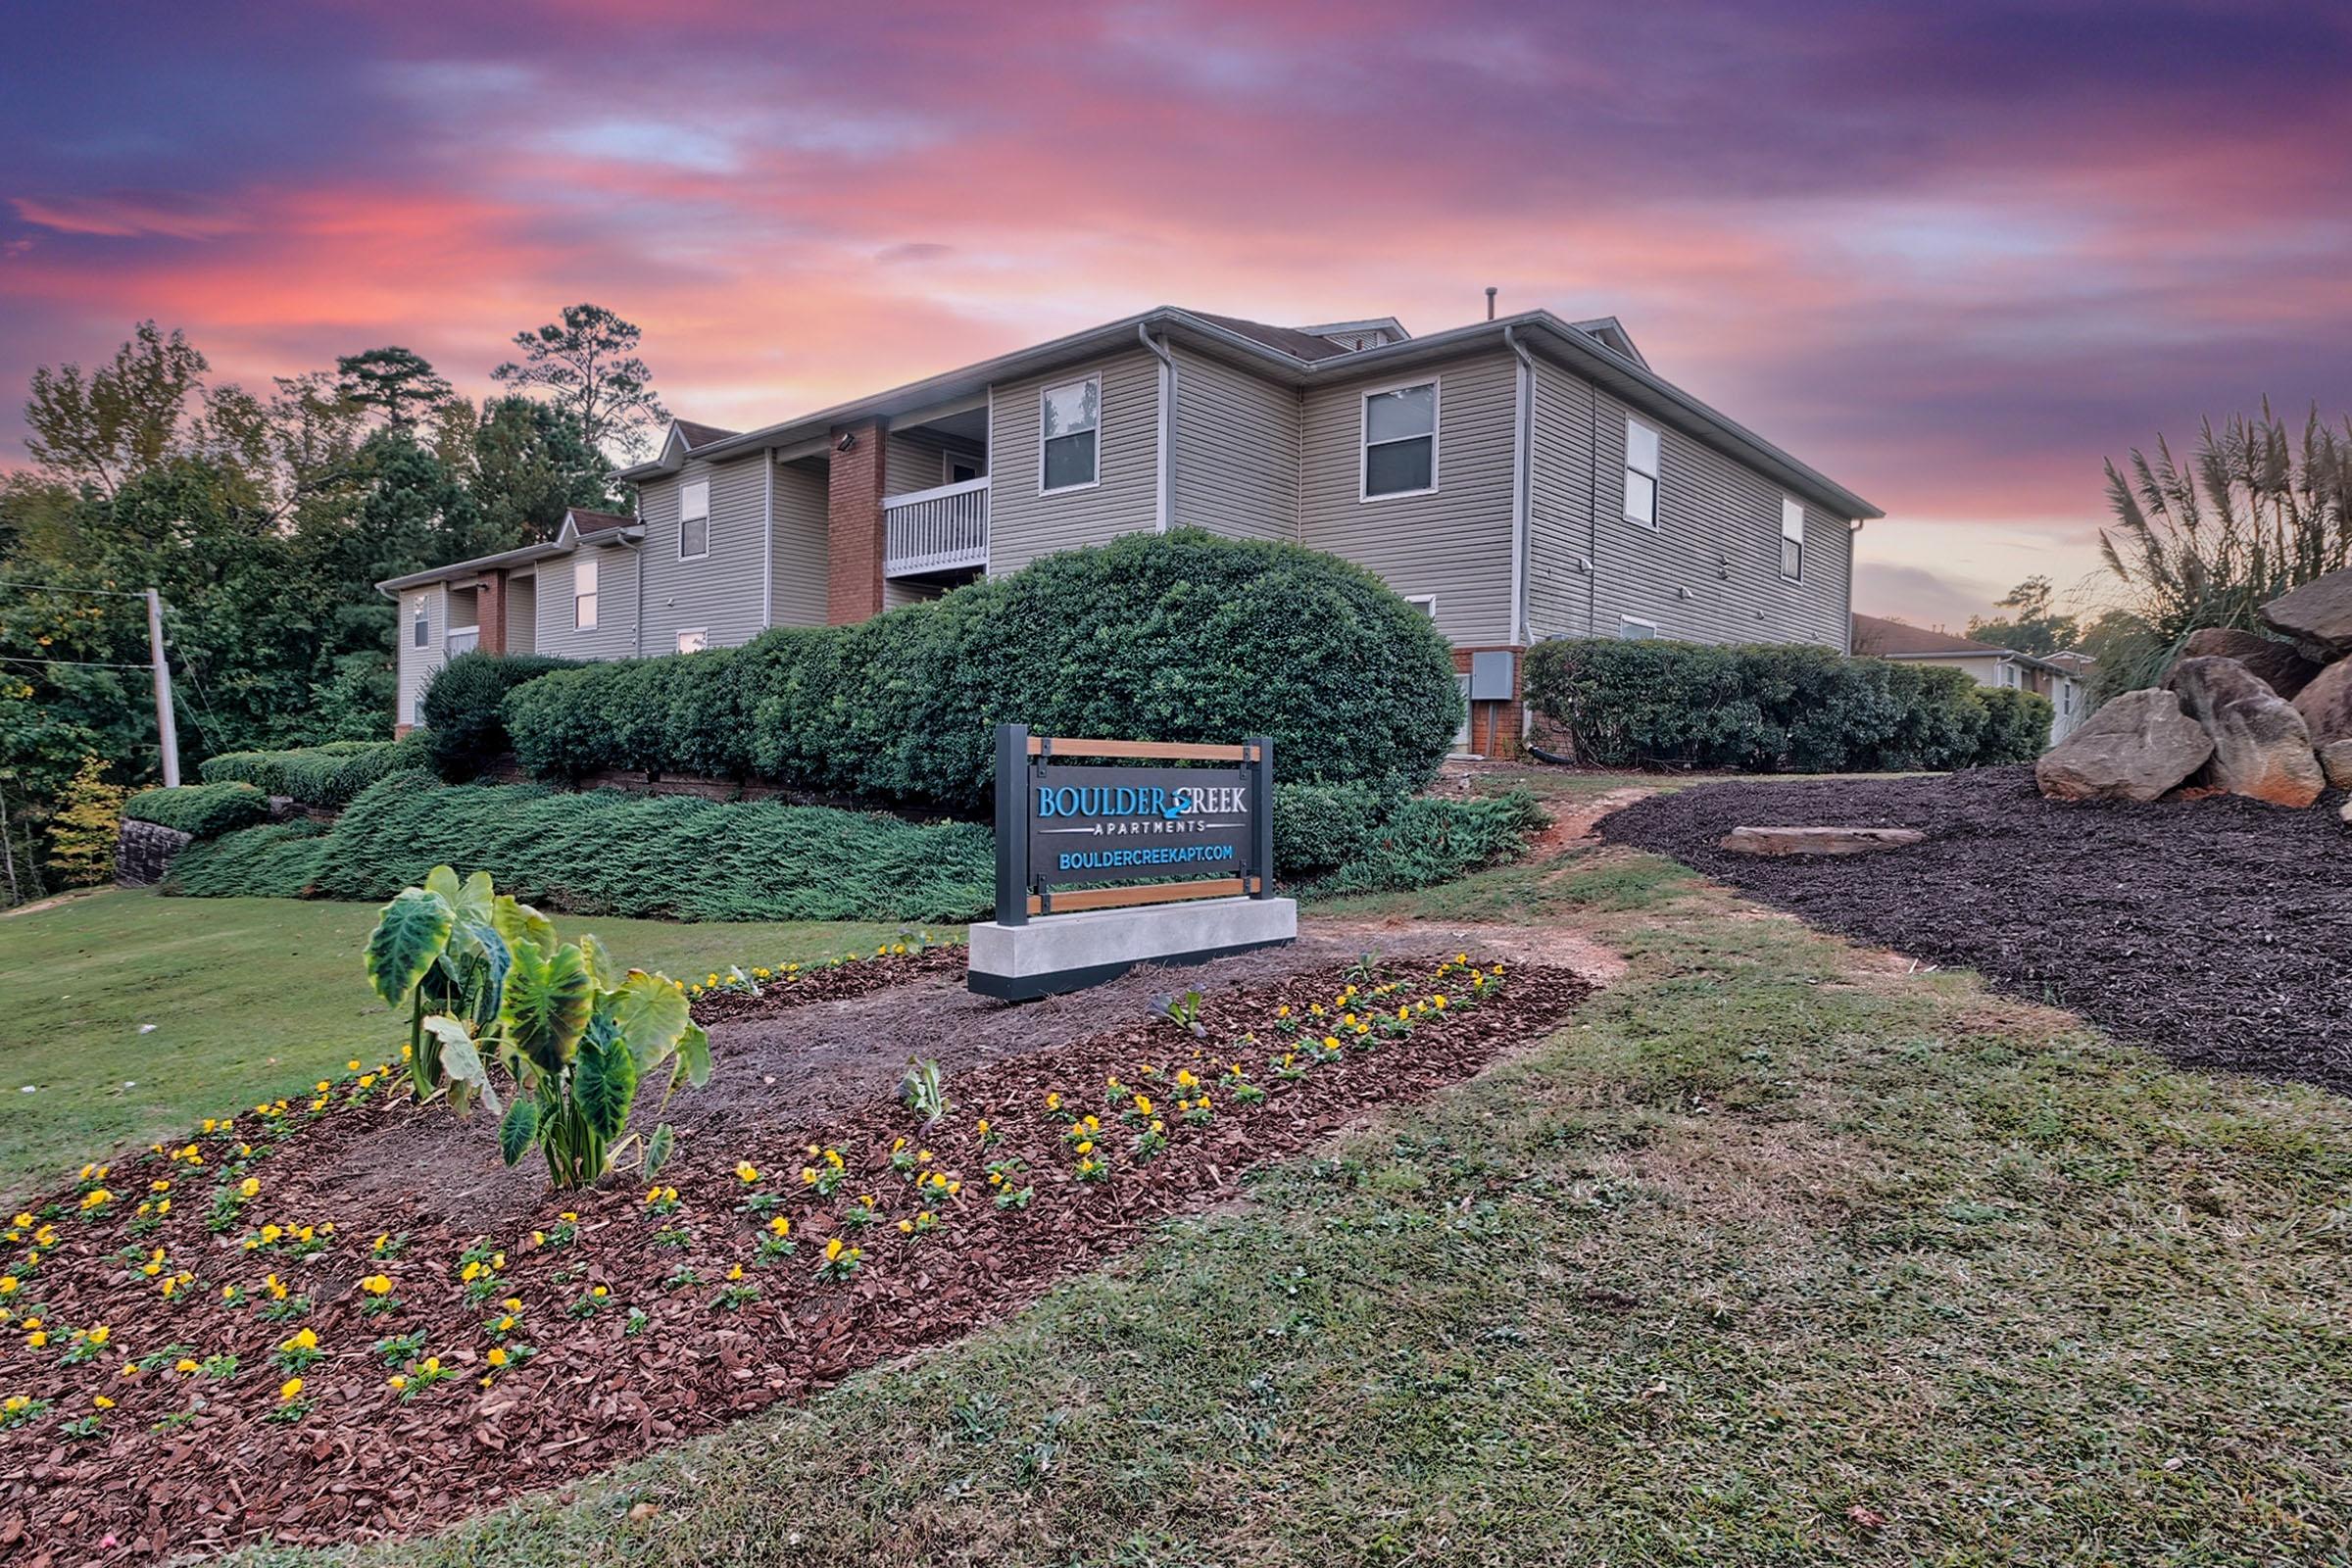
<point x="491" y="603"/>
<point x="1508" y="719"/>
<point x="853" y="526"/>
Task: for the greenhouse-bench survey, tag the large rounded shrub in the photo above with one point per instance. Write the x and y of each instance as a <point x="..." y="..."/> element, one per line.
<point x="464" y="707"/>
<point x="1181" y="637"/>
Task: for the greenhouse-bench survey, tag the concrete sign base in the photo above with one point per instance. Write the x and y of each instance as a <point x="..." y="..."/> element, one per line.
<point x="1072" y="952"/>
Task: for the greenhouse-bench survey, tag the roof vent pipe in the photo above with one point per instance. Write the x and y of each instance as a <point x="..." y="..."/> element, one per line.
<point x="1490" y="302"/>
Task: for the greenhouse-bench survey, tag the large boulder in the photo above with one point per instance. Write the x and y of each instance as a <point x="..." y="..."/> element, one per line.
<point x="2316" y="616"/>
<point x="2274" y="664"/>
<point x="2135" y="748"/>
<point x="2335" y="760"/>
<point x="2327" y="705"/>
<point x="2261" y="745"/>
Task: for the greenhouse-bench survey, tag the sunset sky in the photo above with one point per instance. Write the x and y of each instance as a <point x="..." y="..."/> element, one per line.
<point x="1952" y="255"/>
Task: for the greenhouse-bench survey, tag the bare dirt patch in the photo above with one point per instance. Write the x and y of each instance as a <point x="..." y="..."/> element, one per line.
<point x="2216" y="930"/>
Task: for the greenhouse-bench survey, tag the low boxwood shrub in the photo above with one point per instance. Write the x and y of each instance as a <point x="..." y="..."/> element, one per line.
<point x="1426" y="841"/>
<point x="2017" y="726"/>
<point x="1762" y="707"/>
<point x="464" y="707"/>
<point x="610" y="852"/>
<point x="326" y="775"/>
<point x="203" y="810"/>
<point x="1185" y="636"/>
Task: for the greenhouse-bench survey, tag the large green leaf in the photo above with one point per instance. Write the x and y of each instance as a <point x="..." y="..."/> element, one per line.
<point x="547" y="1003"/>
<point x="461" y="1061"/>
<point x="601" y="966"/>
<point x="694" y="1059"/>
<point x="603" y="1083"/>
<point x="518" y="1131"/>
<point x="659" y="1149"/>
<point x="408" y="939"/>
<point x="520" y="922"/>
<point x="650" y="1012"/>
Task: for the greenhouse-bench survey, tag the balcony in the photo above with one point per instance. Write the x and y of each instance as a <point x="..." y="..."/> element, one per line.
<point x="929" y="534"/>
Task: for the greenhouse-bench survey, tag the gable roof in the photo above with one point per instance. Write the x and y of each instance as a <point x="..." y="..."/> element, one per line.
<point x="582" y="525"/>
<point x="697" y="436"/>
<point x="1294" y="357"/>
<point x="1883" y="638"/>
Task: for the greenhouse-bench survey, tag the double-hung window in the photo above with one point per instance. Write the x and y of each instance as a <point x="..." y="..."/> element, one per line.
<point x="420" y="634"/>
<point x="1069" y="433"/>
<point x="1400" y="441"/>
<point x="1793" y="539"/>
<point x="1641" y="474"/>
<point x="694" y="519"/>
<point x="584" y="592"/>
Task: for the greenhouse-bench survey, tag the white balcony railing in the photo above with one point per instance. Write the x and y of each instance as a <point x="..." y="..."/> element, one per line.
<point x="461" y="640"/>
<point x="936" y="530"/>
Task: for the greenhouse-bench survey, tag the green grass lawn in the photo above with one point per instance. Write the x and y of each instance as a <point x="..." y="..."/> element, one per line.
<point x="249" y="998"/>
<point x="1780" y="1253"/>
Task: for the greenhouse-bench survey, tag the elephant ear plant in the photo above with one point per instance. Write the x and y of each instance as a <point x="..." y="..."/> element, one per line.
<point x="487" y="986"/>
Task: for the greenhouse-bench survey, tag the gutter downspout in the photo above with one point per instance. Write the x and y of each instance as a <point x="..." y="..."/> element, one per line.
<point x="1853" y="531"/>
<point x="1522" y="481"/>
<point x="1163" y="501"/>
<point x="637" y="632"/>
<point x="768" y="540"/>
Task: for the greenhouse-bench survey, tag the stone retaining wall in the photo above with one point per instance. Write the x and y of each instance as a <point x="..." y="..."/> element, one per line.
<point x="144" y="852"/>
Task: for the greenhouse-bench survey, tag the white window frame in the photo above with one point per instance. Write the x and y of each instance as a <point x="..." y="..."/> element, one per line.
<point x="420" y="623"/>
<point x="1427" y="603"/>
<point x="584" y="621"/>
<point x="948" y="460"/>
<point x="1624" y="622"/>
<point x="1658" y="440"/>
<point x="1101" y="409"/>
<point x="1363" y="437"/>
<point x="1792" y="508"/>
<point x="700" y="636"/>
<point x="687" y="490"/>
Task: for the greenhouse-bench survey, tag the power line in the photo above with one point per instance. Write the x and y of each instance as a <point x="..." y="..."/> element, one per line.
<point x="88" y="664"/>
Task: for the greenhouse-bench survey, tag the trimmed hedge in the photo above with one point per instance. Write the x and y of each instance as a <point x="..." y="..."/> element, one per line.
<point x="1766" y="709"/>
<point x="463" y="706"/>
<point x="326" y="775"/>
<point x="1185" y="636"/>
<point x="2017" y="726"/>
<point x="202" y="811"/>
<point x="608" y="852"/>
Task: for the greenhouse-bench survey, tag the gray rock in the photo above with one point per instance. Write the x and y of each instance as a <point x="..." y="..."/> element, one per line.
<point x="2274" y="664"/>
<point x="2135" y="748"/>
<point x="2316" y="616"/>
<point x="2336" y="761"/>
<point x="2260" y="745"/>
<point x="1816" y="839"/>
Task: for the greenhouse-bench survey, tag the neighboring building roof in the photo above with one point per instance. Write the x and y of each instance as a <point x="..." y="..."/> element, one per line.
<point x="586" y="520"/>
<point x="1878" y="637"/>
<point x="1297" y="357"/>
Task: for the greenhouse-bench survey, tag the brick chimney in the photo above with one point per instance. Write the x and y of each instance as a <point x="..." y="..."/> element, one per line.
<point x="854" y="524"/>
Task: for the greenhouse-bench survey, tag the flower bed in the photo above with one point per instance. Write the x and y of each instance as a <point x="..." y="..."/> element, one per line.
<point x="763" y="989"/>
<point x="239" y="1353"/>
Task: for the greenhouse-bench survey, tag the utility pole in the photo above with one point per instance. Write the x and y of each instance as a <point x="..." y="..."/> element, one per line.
<point x="166" y="729"/>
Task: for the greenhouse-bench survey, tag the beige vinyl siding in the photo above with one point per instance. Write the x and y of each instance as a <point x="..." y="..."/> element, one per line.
<point x="1453" y="542"/>
<point x="1237" y="450"/>
<point x="616" y="633"/>
<point x="1709" y="572"/>
<point x="1023" y="525"/>
<point x="522" y="615"/>
<point x="913" y="460"/>
<point x="415" y="666"/>
<point x="724" y="593"/>
<point x="800" y="560"/>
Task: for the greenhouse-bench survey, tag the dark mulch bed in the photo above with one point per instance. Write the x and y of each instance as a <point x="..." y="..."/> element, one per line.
<point x="366" y="1462"/>
<point x="2217" y="930"/>
<point x="826" y="982"/>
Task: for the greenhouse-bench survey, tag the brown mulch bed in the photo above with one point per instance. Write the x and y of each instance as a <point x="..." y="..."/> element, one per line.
<point x="827" y="982"/>
<point x="2217" y="930"/>
<point x="364" y="1461"/>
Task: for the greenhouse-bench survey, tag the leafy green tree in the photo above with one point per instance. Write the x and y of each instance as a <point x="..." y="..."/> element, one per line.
<point x="588" y="364"/>
<point x="531" y="462"/>
<point x="2031" y="625"/>
<point x="400" y="382"/>
<point x="100" y="428"/>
